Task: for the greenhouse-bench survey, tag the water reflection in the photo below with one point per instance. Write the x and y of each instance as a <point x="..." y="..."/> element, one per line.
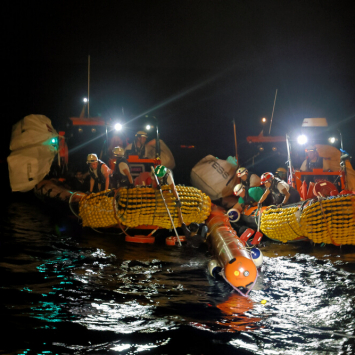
<point x="87" y="292"/>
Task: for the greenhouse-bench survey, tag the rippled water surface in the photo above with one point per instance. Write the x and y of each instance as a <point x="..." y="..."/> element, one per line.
<point x="68" y="290"/>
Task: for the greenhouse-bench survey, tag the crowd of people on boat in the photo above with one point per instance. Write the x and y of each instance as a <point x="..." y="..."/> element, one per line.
<point x="269" y="189"/>
<point x="253" y="190"/>
<point x="116" y="173"/>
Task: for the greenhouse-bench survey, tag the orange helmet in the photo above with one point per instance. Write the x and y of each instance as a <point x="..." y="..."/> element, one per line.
<point x="266" y="177"/>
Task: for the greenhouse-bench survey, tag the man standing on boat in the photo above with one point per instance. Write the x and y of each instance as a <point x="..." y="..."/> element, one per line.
<point x="281" y="173"/>
<point x="165" y="177"/>
<point x="99" y="174"/>
<point x="121" y="176"/>
<point x="138" y="145"/>
<point x="313" y="160"/>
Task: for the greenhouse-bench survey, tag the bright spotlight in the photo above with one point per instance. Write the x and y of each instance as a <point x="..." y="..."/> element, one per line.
<point x="302" y="139"/>
<point x="263" y="120"/>
<point x="118" y="126"/>
<point x="148" y="127"/>
<point x="85" y="100"/>
<point x="331" y="140"/>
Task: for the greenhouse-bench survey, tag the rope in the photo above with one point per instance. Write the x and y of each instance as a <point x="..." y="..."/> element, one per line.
<point x="142" y="206"/>
<point x="324" y="220"/>
<point x="70" y="198"/>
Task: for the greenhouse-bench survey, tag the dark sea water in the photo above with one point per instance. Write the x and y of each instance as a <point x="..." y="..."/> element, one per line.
<point x="68" y="290"/>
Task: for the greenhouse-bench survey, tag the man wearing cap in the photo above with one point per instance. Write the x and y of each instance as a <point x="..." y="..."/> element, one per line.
<point x="99" y="174"/>
<point x="138" y="145"/>
<point x="281" y="173"/>
<point x="313" y="160"/>
<point x="248" y="179"/>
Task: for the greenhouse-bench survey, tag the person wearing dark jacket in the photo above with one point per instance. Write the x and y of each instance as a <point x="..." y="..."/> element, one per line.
<point x="121" y="176"/>
<point x="247" y="178"/>
<point x="282" y="193"/>
<point x="80" y="182"/>
<point x="138" y="146"/>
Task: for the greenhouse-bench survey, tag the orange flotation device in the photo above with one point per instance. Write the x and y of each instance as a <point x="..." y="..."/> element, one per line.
<point x="229" y="252"/>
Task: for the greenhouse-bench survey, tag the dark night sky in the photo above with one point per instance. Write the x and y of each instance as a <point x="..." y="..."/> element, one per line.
<point x="208" y="61"/>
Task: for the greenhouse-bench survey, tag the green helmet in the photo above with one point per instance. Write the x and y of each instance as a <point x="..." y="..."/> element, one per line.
<point x="160" y="171"/>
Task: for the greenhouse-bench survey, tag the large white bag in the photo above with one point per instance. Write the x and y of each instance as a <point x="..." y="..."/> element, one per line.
<point x="166" y="156"/>
<point x="215" y="177"/>
<point x="32" y="152"/>
<point x="31" y="130"/>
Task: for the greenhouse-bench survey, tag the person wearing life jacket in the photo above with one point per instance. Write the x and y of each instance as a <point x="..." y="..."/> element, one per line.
<point x="165" y="177"/>
<point x="99" y="174"/>
<point x="138" y="146"/>
<point x="248" y="197"/>
<point x="248" y="179"/>
<point x="121" y="176"/>
<point x="282" y="193"/>
<point x="313" y="160"/>
<point x="281" y="173"/>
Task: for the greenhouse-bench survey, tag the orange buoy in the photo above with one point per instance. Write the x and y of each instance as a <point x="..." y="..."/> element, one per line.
<point x="230" y="253"/>
<point x="146" y="239"/>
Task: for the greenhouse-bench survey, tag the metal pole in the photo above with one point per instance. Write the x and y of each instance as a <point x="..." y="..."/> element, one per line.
<point x="157" y="149"/>
<point x="235" y="142"/>
<point x="289" y="159"/>
<point x="272" y="115"/>
<point x="341" y="140"/>
<point x="166" y="206"/>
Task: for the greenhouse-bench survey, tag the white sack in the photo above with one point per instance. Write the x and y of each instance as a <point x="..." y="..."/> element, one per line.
<point x="215" y="177"/>
<point x="29" y="166"/>
<point x="166" y="157"/>
<point x="31" y="130"/>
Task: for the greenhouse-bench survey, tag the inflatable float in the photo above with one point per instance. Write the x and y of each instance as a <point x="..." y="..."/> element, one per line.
<point x="232" y="257"/>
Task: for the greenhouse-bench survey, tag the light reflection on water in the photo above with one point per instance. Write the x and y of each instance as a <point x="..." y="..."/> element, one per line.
<point x="87" y="292"/>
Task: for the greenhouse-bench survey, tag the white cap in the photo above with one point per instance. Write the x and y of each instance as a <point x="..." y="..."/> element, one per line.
<point x="238" y="189"/>
<point x="92" y="158"/>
